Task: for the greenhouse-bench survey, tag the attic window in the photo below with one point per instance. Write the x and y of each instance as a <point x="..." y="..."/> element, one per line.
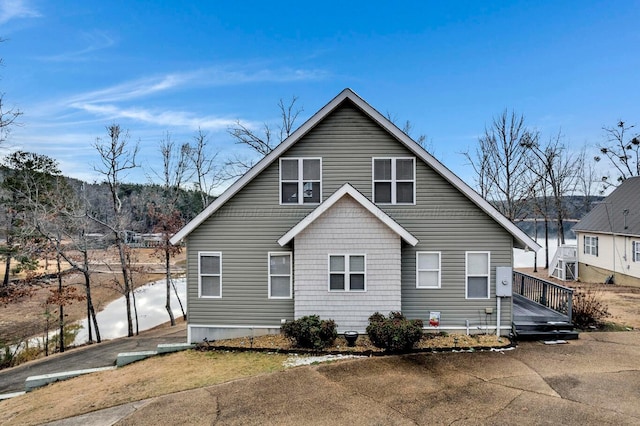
<point x="300" y="180"/>
<point x="394" y="180"/>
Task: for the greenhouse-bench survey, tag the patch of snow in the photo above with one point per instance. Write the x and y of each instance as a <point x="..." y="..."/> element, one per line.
<point x="296" y="360"/>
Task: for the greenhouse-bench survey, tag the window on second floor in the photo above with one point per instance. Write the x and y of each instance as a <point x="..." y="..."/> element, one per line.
<point x="591" y="245"/>
<point x="635" y="250"/>
<point x="394" y="180"/>
<point x="300" y="180"/>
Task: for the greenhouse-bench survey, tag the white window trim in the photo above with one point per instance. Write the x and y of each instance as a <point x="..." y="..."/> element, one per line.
<point x="592" y="246"/>
<point x="439" y="270"/>
<point x="467" y="276"/>
<point x="270" y="275"/>
<point x="200" y="275"/>
<point x="347" y="273"/>
<point x="300" y="181"/>
<point x="393" y="180"/>
<point x="635" y="251"/>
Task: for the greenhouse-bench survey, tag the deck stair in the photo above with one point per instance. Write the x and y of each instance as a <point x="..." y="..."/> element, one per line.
<point x="541" y="310"/>
<point x="563" y="264"/>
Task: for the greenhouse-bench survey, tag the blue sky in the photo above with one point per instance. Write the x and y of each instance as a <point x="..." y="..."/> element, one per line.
<point x="74" y="67"/>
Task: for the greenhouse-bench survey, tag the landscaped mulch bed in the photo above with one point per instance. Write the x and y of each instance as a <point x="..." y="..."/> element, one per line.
<point x="429" y="343"/>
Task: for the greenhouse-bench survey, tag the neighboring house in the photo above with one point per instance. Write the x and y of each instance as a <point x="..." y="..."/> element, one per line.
<point x="609" y="238"/>
<point x="346" y="217"/>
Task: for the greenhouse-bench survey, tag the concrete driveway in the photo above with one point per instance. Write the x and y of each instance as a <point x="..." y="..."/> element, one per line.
<point x="595" y="380"/>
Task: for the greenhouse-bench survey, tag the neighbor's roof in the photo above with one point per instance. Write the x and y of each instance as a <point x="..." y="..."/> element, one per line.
<point x="618" y="213"/>
<point x="521" y="239"/>
<point x="349" y="190"/>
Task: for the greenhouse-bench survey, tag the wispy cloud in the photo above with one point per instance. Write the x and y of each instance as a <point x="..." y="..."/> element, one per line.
<point x="14" y="9"/>
<point x="206" y="77"/>
<point x="95" y="41"/>
<point x="165" y="118"/>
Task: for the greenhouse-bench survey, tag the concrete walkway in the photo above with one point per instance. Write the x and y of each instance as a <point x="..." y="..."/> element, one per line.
<point x="91" y="356"/>
<point x="594" y="380"/>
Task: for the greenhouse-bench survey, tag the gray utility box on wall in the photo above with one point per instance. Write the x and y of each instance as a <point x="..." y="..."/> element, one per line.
<point x="504" y="281"/>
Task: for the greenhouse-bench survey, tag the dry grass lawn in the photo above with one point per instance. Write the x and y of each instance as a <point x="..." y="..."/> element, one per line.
<point x="150" y="378"/>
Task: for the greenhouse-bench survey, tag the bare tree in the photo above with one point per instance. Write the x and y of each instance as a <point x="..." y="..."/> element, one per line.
<point x="499" y="162"/>
<point x="8" y="116"/>
<point x="175" y="170"/>
<point x="557" y="170"/>
<point x="117" y="157"/>
<point x="587" y="178"/>
<point x="262" y="143"/>
<point x="205" y="170"/>
<point x="622" y="149"/>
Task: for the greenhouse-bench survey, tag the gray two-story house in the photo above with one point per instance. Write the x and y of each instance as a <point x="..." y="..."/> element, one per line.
<point x="346" y="217"/>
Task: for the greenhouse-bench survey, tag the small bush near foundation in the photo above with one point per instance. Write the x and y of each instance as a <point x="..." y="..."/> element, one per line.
<point x="311" y="332"/>
<point x="394" y="333"/>
<point x="588" y="309"/>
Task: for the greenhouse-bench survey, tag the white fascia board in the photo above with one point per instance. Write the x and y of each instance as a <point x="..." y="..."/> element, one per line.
<point x="347" y="189"/>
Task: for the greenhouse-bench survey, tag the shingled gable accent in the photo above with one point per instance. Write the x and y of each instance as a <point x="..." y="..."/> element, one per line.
<point x="521" y="239"/>
<point x="348" y="190"/>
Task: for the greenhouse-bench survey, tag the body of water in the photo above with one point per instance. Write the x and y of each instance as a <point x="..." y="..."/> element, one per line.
<point x="150" y="300"/>
<point x="524" y="259"/>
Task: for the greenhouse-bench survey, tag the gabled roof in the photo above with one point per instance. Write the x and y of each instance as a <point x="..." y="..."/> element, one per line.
<point x="347" y="190"/>
<point x="609" y="216"/>
<point x="521" y="239"/>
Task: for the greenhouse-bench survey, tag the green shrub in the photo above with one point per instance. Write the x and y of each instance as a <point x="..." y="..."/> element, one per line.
<point x="588" y="310"/>
<point x="394" y="333"/>
<point x="311" y="332"/>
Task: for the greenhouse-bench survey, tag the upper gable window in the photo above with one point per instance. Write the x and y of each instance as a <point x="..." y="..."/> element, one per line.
<point x="394" y="180"/>
<point x="300" y="180"/>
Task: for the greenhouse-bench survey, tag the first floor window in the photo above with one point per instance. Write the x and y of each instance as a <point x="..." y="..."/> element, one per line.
<point x="210" y="274"/>
<point x="591" y="245"/>
<point x="300" y="180"/>
<point x="477" y="275"/>
<point x="428" y="269"/>
<point x="635" y="248"/>
<point x="347" y="273"/>
<point x="280" y="275"/>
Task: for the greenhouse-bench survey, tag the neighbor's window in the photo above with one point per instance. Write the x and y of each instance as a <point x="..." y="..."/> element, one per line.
<point x="428" y="269"/>
<point x="300" y="180"/>
<point x="279" y="275"/>
<point x="210" y="274"/>
<point x="477" y="275"/>
<point x="635" y="251"/>
<point x="347" y="273"/>
<point x="591" y="245"/>
<point x="394" y="180"/>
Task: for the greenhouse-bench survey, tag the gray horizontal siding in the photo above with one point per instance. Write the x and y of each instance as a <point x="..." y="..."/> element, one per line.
<point x="249" y="224"/>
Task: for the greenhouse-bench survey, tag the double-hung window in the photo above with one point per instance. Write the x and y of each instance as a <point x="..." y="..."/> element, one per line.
<point x="347" y="272"/>
<point x="300" y="180"/>
<point x="635" y="251"/>
<point x="210" y="274"/>
<point x="428" y="269"/>
<point x="279" y="275"/>
<point x="591" y="245"/>
<point x="394" y="180"/>
<point x="477" y="275"/>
